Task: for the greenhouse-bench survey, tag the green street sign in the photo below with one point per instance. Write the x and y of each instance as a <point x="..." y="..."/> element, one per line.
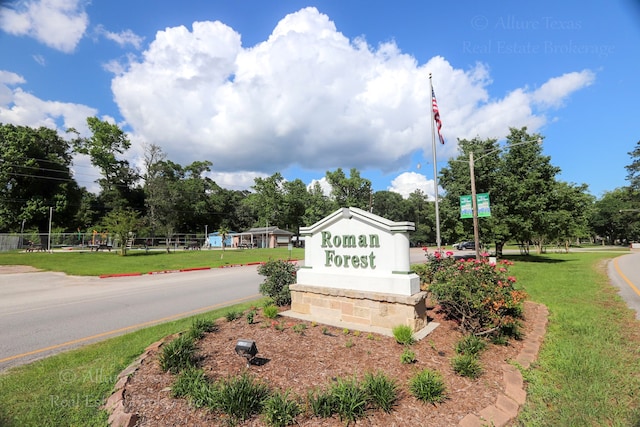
<point x="466" y="207"/>
<point x="484" y="208"/>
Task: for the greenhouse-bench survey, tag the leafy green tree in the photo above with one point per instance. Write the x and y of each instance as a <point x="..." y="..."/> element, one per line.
<point x="390" y="205"/>
<point x="239" y="215"/>
<point x="614" y="217"/>
<point x="319" y="205"/>
<point x="528" y="179"/>
<point x="35" y="174"/>
<point x="295" y="201"/>
<point x="456" y="180"/>
<point x="118" y="182"/>
<point x="122" y="224"/>
<point x="569" y="212"/>
<point x="633" y="169"/>
<point x="421" y="212"/>
<point x="268" y="199"/>
<point x="353" y="191"/>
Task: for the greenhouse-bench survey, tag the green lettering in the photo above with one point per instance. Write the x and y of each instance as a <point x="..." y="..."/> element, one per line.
<point x="364" y="261"/>
<point x="337" y="241"/>
<point x="346" y="261"/>
<point x="372" y="258"/>
<point x="374" y="240"/>
<point x="328" y="256"/>
<point x="349" y="241"/>
<point x="326" y="239"/>
<point x="362" y="241"/>
<point x="355" y="261"/>
<point x="338" y="261"/>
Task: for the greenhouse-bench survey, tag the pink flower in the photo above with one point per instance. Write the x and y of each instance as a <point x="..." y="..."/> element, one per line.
<point x="484" y="254"/>
<point x="424" y="248"/>
<point x="449" y="253"/>
<point x="437" y="255"/>
<point x="511" y="279"/>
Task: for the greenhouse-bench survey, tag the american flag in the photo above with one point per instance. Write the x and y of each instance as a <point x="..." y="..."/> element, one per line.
<point x="436" y="115"/>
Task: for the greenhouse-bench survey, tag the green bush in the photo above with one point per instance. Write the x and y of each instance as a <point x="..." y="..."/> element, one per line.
<point x="350" y="399"/>
<point x="241" y="397"/>
<point x="407" y="357"/>
<point x="403" y="334"/>
<point x="270" y="311"/>
<point x="232" y="315"/>
<point x="428" y="386"/>
<point x="321" y="403"/>
<point x="299" y="328"/>
<point x="466" y="365"/>
<point x="200" y="326"/>
<point x="178" y="354"/>
<point x="382" y="391"/>
<point x="280" y="409"/>
<point x="279" y="275"/>
<point x="193" y="385"/>
<point x="481" y="296"/>
<point x="471" y="344"/>
<point x="250" y="316"/>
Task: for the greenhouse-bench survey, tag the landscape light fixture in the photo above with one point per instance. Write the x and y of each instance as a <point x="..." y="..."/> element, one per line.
<point x="246" y="349"/>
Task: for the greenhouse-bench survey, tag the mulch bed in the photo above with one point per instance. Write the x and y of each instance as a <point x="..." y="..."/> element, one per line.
<point x="314" y="359"/>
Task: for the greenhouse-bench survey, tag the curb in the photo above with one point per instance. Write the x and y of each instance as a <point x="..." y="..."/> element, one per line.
<point x="501" y="413"/>
<point x="184" y="270"/>
<point x="509" y="402"/>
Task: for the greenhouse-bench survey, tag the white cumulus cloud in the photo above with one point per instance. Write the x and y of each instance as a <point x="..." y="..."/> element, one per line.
<point x="59" y="24"/>
<point x="310" y="97"/>
<point x="408" y="182"/>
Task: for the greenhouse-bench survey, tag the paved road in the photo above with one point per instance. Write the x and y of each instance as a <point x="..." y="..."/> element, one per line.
<point x="624" y="272"/>
<point x="44" y="313"/>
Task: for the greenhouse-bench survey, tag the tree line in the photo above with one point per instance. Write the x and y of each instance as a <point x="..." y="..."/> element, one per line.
<point x="529" y="205"/>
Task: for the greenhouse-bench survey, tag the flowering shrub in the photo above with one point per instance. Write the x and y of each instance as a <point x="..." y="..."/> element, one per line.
<point x="435" y="262"/>
<point x="480" y="295"/>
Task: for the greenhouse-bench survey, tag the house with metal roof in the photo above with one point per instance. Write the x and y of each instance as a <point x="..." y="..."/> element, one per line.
<point x="262" y="237"/>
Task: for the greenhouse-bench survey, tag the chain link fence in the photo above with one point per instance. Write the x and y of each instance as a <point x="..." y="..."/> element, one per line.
<point x="87" y="241"/>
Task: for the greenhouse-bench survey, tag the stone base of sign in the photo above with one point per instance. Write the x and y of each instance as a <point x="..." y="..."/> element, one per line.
<point x="376" y="312"/>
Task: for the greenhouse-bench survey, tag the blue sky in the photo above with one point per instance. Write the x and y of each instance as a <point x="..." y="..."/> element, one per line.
<point x="264" y="86"/>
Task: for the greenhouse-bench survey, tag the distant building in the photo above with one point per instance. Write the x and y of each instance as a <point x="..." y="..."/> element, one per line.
<point x="215" y="240"/>
<point x="262" y="237"/>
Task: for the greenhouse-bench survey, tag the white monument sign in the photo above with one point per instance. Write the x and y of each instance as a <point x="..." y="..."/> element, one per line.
<point x="357" y="250"/>
<point x="357" y="273"/>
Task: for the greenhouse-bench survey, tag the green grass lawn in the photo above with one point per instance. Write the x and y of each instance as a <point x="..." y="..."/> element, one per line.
<point x="588" y="370"/>
<point x="587" y="374"/>
<point x="139" y="261"/>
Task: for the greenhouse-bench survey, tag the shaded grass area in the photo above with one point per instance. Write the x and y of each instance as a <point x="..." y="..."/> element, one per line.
<point x="69" y="389"/>
<point x="98" y="263"/>
<point x="588" y="370"/>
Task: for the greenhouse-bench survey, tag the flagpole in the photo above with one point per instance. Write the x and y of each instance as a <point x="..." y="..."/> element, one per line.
<point x="435" y="166"/>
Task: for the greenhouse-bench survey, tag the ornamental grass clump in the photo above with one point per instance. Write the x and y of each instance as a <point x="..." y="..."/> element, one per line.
<point x="480" y="295"/>
<point x="382" y="391"/>
<point x="280" y="409"/>
<point x="241" y="397"/>
<point x="178" y="355"/>
<point x="428" y="386"/>
<point x="403" y="334"/>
